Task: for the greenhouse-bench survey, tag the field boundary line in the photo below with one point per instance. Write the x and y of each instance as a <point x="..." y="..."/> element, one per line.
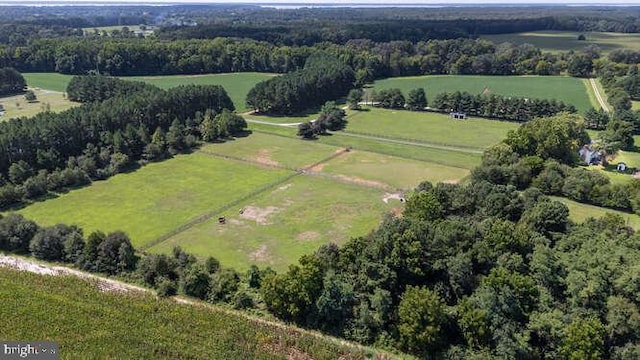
<point x="210" y="214"/>
<point x="377" y="151"/>
<point x="242" y="159"/>
<point x="399" y="140"/>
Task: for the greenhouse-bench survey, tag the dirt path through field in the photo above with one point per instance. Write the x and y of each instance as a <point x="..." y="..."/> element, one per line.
<point x="107" y="285"/>
<point x="603" y="103"/>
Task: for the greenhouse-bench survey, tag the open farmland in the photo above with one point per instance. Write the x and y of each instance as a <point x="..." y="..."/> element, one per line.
<point x="236" y="84"/>
<point x="556" y="41"/>
<point x="579" y="212"/>
<point x="282" y="224"/>
<point x="473" y="134"/>
<point x="570" y="90"/>
<point x="155" y="199"/>
<point x="48" y="81"/>
<point x="91" y="324"/>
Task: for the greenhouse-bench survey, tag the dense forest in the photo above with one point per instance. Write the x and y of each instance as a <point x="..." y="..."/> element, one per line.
<point x="122" y="124"/>
<point x="481" y="270"/>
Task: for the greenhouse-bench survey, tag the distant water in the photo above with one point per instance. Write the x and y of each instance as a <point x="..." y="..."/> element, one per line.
<point x="41" y="3"/>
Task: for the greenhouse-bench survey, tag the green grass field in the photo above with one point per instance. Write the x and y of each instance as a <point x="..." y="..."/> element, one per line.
<point x="48" y="81"/>
<point x="556" y="41"/>
<point x="389" y="170"/>
<point x="237" y="85"/>
<point x="156" y="198"/>
<point x="279" y="226"/>
<point x="90" y="324"/>
<point x="580" y="212"/>
<point x="17" y="106"/>
<point x="567" y="89"/>
<point x="474" y="133"/>
<point x="274" y="150"/>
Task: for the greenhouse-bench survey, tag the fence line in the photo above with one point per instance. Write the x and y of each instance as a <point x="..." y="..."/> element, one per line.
<point x="208" y="215"/>
<point x="252" y="161"/>
<point x="417" y="141"/>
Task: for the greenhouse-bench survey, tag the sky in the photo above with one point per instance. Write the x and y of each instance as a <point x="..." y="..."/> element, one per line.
<point x="368" y="2"/>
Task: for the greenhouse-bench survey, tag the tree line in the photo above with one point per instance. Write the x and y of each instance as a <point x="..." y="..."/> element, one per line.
<point x="323" y="78"/>
<point x="122" y="127"/>
<point x="370" y="60"/>
<point x="482" y="105"/>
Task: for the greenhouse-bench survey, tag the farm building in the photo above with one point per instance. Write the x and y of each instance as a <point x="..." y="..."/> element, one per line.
<point x="458" y="115"/>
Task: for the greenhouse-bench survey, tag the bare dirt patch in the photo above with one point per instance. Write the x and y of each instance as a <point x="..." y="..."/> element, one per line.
<point x="104" y="285"/>
<point x="285" y="187"/>
<point x="320" y="166"/>
<point x="308" y="236"/>
<point x="264" y="158"/>
<point x="363" y="182"/>
<point x="259" y="215"/>
<point x="261" y="254"/>
<point x="393" y="196"/>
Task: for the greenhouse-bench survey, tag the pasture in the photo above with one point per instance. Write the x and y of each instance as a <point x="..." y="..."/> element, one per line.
<point x="155" y="199"/>
<point x="16" y="106"/>
<point x="567" y="89"/>
<point x="556" y="41"/>
<point x="91" y="324"/>
<point x="280" y="225"/>
<point x="473" y="134"/>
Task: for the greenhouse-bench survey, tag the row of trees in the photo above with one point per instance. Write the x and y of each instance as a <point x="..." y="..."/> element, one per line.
<point x="11" y="82"/>
<point x="98" y="139"/>
<point x="323" y="78"/>
<point x="499" y="107"/>
<point x="113" y="254"/>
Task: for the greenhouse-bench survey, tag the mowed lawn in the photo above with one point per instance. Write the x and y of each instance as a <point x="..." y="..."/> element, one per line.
<point x="435" y="128"/>
<point x="16" y="106"/>
<point x="279" y="226"/>
<point x="567" y="89"/>
<point x="237" y="85"/>
<point x="155" y="199"/>
<point x="556" y="41"/>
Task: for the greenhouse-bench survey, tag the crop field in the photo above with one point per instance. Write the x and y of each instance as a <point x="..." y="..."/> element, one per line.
<point x="567" y="89"/>
<point x="236" y="84"/>
<point x="556" y="41"/>
<point x="280" y="225"/>
<point x="92" y="324"/>
<point x="434" y="128"/>
<point x="16" y="106"/>
<point x="156" y="198"/>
